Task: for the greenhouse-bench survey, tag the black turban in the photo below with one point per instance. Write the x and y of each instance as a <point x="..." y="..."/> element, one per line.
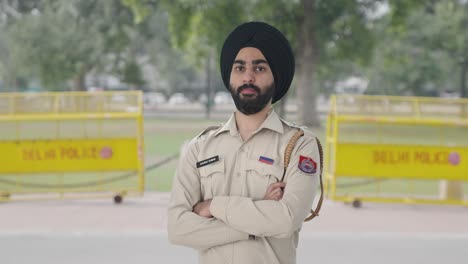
<point x="274" y="46"/>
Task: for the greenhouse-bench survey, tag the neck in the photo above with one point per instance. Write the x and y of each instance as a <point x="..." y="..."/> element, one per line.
<point x="247" y="124"/>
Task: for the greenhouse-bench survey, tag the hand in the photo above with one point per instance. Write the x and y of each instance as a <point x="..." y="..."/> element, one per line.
<point x="203" y="209"/>
<point x="275" y="191"/>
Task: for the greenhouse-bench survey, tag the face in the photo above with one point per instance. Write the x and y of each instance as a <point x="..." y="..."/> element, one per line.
<point x="251" y="82"/>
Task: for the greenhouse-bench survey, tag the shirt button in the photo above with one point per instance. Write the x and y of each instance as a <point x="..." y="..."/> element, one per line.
<point x="238" y="174"/>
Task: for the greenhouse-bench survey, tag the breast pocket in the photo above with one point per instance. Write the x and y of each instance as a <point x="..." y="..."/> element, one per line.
<point x="211" y="177"/>
<point x="259" y="177"/>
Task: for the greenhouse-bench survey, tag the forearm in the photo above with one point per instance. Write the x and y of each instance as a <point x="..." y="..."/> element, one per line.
<point x="186" y="228"/>
<point x="268" y="217"/>
<point x="260" y="218"/>
<point x="277" y="218"/>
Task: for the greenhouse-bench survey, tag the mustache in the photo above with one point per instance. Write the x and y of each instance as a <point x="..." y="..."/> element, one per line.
<point x="248" y="85"/>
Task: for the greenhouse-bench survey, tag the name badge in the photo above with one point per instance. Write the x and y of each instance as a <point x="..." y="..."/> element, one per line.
<point x="207" y="161"/>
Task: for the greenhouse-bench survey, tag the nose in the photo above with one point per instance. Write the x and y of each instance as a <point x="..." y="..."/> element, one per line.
<point x="248" y="76"/>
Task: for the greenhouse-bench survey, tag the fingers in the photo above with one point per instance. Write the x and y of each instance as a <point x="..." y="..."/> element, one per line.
<point x="277" y="185"/>
<point x="277" y="191"/>
<point x="277" y="195"/>
<point x="274" y="192"/>
<point x="203" y="208"/>
<point x="196" y="208"/>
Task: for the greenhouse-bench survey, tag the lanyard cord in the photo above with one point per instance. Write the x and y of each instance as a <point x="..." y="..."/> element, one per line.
<point x="287" y="157"/>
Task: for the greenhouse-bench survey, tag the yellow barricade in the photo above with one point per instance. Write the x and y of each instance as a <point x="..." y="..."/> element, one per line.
<point x="71" y="145"/>
<point x="397" y="149"/>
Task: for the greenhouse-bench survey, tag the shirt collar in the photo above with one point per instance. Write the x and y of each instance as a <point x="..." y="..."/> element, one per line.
<point x="272" y="122"/>
<point x="229" y="126"/>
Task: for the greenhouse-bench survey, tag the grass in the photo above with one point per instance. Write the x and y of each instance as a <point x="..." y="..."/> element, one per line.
<point x="390" y="187"/>
<point x="403" y="134"/>
<point x="164" y="138"/>
<point x="398" y="134"/>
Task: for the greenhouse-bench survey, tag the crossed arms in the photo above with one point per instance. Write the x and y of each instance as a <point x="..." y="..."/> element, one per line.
<point x="204" y="224"/>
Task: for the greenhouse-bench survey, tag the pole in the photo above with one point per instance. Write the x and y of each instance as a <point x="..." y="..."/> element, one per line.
<point x="208" y="87"/>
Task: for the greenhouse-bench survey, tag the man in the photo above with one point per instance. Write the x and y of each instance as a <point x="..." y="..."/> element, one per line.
<point x="228" y="200"/>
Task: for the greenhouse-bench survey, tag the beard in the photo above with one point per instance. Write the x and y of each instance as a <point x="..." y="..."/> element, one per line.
<point x="249" y="105"/>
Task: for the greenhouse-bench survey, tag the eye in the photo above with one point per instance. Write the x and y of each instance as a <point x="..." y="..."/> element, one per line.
<point x="260" y="69"/>
<point x="239" y="68"/>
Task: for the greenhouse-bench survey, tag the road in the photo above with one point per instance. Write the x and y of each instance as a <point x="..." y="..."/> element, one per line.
<point x="97" y="231"/>
<point x="150" y="247"/>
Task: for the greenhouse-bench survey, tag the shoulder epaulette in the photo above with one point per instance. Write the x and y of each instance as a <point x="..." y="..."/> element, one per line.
<point x="291" y="124"/>
<point x="208" y="129"/>
<point x="305" y="129"/>
<point x="307" y="132"/>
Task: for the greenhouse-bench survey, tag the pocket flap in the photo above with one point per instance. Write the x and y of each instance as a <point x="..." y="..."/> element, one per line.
<point x="209" y="169"/>
<point x="264" y="169"/>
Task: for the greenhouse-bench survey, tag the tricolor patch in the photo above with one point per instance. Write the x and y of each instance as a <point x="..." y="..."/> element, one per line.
<point x="265" y="160"/>
<point x="307" y="165"/>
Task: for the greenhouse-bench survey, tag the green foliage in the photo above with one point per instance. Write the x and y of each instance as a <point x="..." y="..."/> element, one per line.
<point x="414" y="47"/>
<point x="61" y="40"/>
<point x="342" y="27"/>
<point x="140" y="9"/>
<point x="198" y="27"/>
<point x="55" y="53"/>
<point x="421" y="55"/>
<point x="174" y="72"/>
<point x="339" y="30"/>
<point x="132" y="74"/>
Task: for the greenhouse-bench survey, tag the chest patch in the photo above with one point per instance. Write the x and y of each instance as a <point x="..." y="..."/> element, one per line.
<point x="266" y="160"/>
<point x="307" y="165"/>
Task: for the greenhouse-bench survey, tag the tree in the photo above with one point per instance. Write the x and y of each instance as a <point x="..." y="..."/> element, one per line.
<point x="174" y="72"/>
<point x="61" y="40"/>
<point x="423" y="53"/>
<point x="10" y="72"/>
<point x="320" y="31"/>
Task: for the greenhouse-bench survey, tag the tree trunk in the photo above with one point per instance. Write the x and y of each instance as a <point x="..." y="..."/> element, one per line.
<point x="79" y="80"/>
<point x="464" y="66"/>
<point x="280" y="107"/>
<point x="16" y="84"/>
<point x="209" y="93"/>
<point x="307" y="58"/>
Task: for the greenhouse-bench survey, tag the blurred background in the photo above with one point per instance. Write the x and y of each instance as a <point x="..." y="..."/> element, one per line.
<point x="169" y="51"/>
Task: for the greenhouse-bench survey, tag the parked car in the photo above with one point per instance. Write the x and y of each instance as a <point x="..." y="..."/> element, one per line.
<point x="153" y="99"/>
<point x="178" y="98"/>
<point x="203" y="98"/>
<point x="223" y="98"/>
<point x="118" y="98"/>
<point x="449" y="94"/>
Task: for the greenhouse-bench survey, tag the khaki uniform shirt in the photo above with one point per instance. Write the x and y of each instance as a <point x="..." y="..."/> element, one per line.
<point x="219" y="165"/>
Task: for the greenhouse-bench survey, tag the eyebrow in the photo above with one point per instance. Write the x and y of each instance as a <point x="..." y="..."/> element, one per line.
<point x="255" y="62"/>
